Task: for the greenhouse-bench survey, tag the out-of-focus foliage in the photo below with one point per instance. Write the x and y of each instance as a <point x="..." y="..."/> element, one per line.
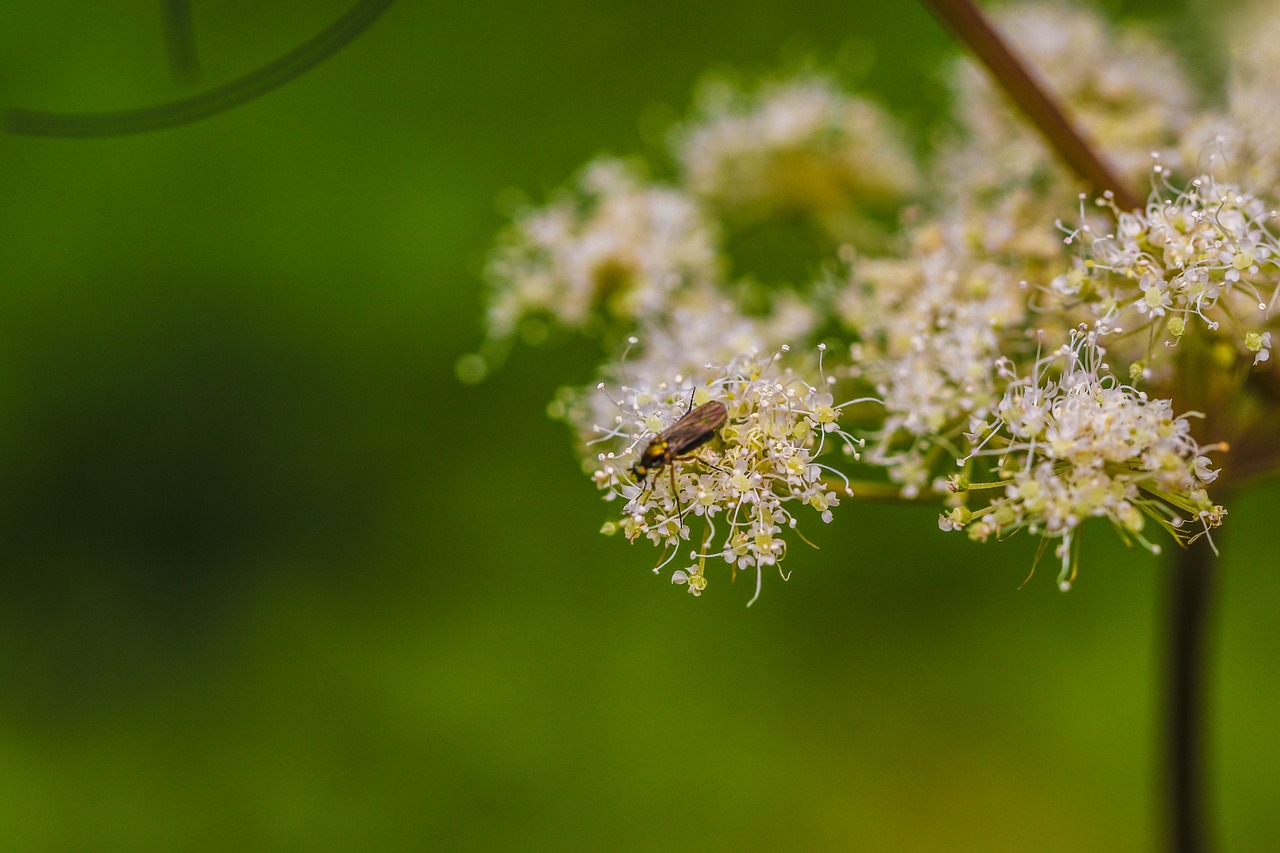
<point x="270" y="578"/>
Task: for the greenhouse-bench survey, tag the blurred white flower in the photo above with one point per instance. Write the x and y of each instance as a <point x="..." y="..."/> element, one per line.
<point x="613" y="248"/>
<point x="1123" y="87"/>
<point x="797" y="145"/>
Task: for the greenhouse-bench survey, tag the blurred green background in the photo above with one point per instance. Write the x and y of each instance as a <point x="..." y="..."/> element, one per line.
<point x="270" y="578"/>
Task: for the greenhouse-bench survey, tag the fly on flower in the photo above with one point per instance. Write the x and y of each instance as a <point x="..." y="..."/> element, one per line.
<point x="683" y="437"/>
<point x="686" y="435"/>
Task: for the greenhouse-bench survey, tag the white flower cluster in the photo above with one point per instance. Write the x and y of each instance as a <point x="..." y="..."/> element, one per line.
<point x="744" y="482"/>
<point x="1204" y="255"/>
<point x="1070" y="442"/>
<point x="931" y="328"/>
<point x="798" y="145"/>
<point x="616" y="249"/>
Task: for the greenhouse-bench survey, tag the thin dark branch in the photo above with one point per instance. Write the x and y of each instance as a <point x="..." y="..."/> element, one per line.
<point x="972" y="27"/>
<point x="180" y="40"/>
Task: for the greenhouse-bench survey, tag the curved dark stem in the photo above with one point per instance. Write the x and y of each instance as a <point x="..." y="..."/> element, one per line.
<point x="967" y="22"/>
<point x="1190" y="606"/>
<point x="253" y="85"/>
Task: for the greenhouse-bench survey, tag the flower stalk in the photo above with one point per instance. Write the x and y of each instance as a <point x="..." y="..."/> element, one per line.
<point x="1189" y="625"/>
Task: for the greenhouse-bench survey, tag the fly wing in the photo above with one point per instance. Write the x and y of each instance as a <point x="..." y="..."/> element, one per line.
<point x="696" y="428"/>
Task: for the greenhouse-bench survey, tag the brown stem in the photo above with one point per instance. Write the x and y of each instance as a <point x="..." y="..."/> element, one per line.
<point x="1253" y="436"/>
<point x="971" y="26"/>
<point x="1191" y="593"/>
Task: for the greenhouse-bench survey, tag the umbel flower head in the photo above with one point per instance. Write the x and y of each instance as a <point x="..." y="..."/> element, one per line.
<point x="1070" y="442"/>
<point x="747" y="484"/>
<point x="1204" y="255"/>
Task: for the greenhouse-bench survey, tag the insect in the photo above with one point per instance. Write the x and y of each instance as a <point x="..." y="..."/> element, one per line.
<point x="686" y="435"/>
<point x="694" y="429"/>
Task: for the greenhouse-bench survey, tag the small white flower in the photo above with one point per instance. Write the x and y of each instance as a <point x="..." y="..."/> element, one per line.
<point x="1155" y="298"/>
<point x="693" y="576"/>
<point x="1202" y="470"/>
<point x="1260" y="344"/>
